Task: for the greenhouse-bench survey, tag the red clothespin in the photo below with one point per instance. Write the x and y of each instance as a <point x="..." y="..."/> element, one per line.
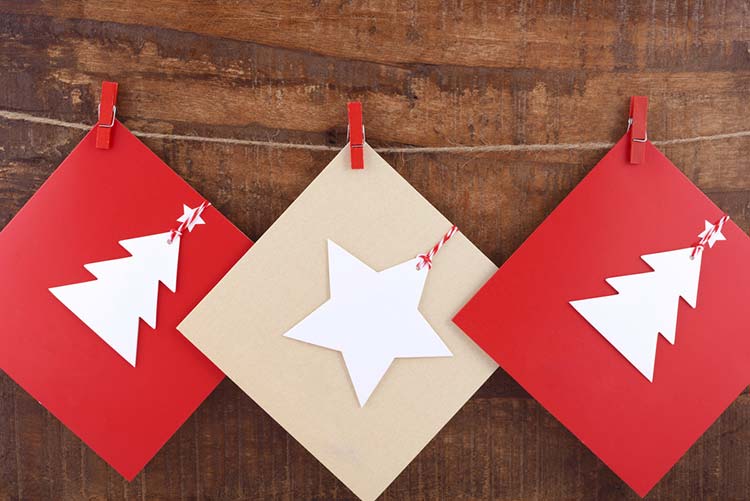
<point x="107" y="113"/>
<point x="637" y="128"/>
<point x="356" y="135"/>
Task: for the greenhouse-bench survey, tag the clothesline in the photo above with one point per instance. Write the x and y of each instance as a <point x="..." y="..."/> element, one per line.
<point x="490" y="148"/>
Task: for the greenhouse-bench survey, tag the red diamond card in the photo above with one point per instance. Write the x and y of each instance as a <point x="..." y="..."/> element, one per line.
<point x="624" y="313"/>
<point x="111" y="235"/>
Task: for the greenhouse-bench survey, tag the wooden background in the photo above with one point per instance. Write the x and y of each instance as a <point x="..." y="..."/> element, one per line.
<point x="430" y="73"/>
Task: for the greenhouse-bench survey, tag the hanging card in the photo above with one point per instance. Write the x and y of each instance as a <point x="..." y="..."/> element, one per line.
<point x="92" y="292"/>
<point x="330" y="327"/>
<point x="606" y="317"/>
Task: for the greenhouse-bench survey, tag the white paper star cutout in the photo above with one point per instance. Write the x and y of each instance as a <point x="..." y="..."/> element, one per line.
<point x="713" y="238"/>
<point x="372" y="318"/>
<point x="187" y="212"/>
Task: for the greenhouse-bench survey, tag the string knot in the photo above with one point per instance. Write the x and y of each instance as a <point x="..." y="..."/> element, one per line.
<point x="426" y="259"/>
<point x="174" y="234"/>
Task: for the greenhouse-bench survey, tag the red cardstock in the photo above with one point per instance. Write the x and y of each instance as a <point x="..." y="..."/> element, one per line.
<point x="523" y="319"/>
<point x="96" y="198"/>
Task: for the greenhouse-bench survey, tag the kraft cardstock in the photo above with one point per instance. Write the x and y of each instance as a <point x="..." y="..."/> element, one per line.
<point x="382" y="220"/>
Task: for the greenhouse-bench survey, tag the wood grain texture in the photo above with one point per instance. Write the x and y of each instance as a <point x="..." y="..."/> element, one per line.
<point x="429" y="73"/>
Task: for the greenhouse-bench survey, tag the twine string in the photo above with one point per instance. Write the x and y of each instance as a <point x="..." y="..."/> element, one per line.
<point x="488" y="148"/>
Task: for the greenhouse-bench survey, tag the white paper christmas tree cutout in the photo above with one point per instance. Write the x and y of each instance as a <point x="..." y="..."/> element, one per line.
<point x="372" y="318"/>
<point x="127" y="289"/>
<point x="647" y="303"/>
